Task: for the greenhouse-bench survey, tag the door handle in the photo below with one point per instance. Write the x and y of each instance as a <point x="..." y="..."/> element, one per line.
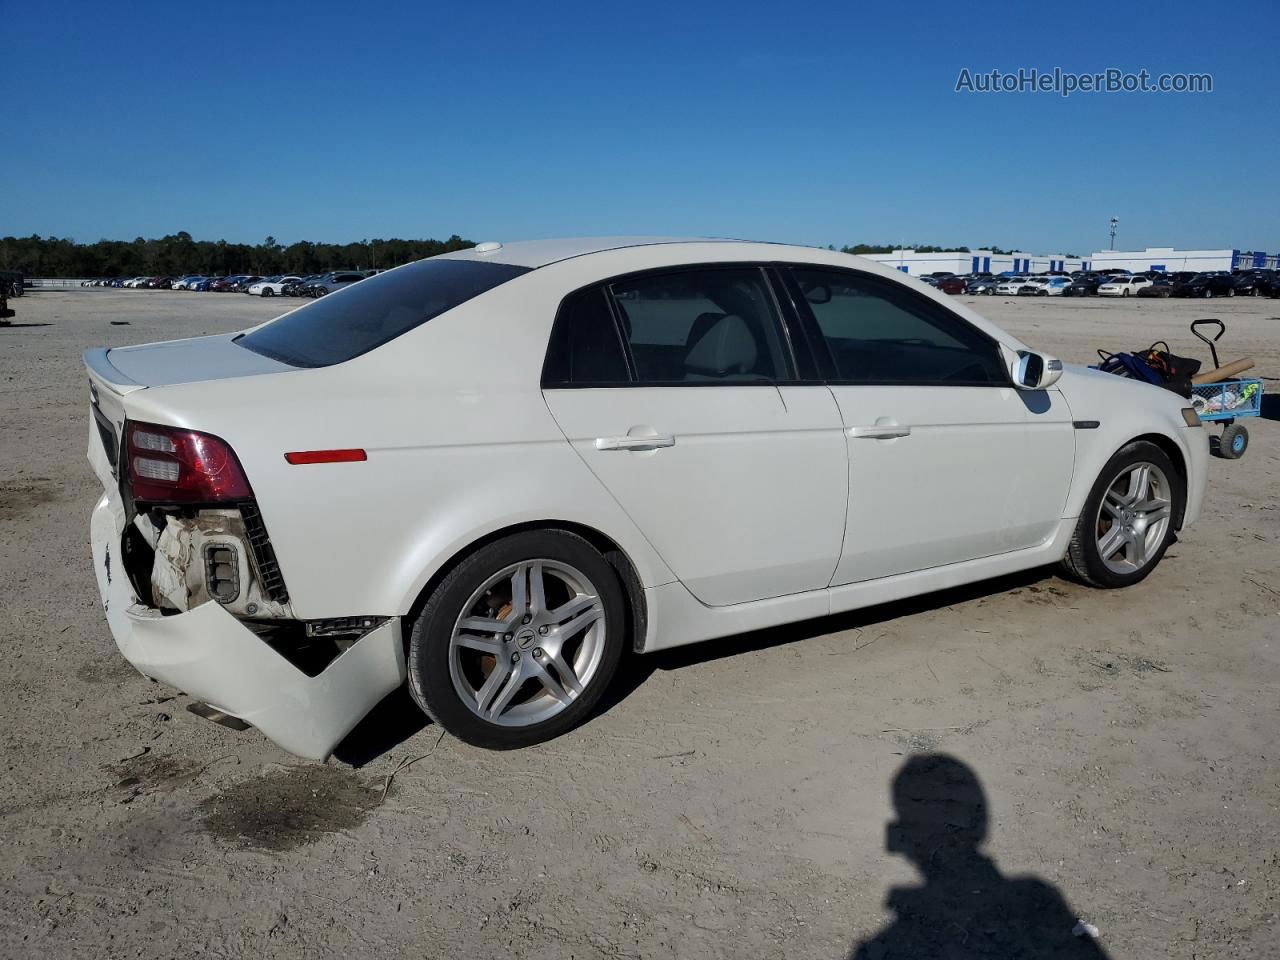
<point x="880" y="431"/>
<point x="651" y="442"/>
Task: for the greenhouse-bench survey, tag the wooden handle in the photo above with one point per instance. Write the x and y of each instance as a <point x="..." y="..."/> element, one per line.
<point x="1224" y="371"/>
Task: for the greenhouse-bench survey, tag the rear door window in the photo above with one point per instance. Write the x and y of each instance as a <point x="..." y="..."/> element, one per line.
<point x="375" y="311"/>
<point x="700" y="326"/>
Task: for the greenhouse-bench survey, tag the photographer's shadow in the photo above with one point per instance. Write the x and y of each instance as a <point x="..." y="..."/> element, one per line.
<point x="965" y="907"/>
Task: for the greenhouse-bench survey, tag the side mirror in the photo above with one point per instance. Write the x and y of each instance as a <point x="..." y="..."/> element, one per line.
<point x="1034" y="371"/>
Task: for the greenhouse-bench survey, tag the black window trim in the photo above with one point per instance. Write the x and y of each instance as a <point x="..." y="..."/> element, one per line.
<point x="810" y="321"/>
<point x="780" y="318"/>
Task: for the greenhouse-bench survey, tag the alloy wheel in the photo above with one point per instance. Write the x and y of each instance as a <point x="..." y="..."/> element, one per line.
<point x="527" y="643"/>
<point x="1134" y="518"/>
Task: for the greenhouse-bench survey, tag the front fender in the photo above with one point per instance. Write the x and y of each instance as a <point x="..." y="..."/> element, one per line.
<point x="1124" y="410"/>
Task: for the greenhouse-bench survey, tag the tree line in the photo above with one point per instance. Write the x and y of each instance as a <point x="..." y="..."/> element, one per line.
<point x="179" y="254"/>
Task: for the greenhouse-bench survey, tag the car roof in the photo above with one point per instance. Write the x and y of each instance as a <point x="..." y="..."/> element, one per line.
<point x="539" y="253"/>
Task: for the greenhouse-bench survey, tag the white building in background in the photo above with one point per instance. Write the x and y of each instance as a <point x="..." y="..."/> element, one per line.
<point x="1170" y="260"/>
<point x="977" y="261"/>
<point x="1153" y="258"/>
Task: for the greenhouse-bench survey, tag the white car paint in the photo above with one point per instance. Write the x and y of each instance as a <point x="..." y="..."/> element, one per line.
<point x="1012" y="285"/>
<point x="1123" y="286"/>
<point x="771" y="504"/>
<point x="268" y="288"/>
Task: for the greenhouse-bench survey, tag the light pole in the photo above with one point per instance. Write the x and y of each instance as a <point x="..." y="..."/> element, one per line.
<point x="1114" y="221"/>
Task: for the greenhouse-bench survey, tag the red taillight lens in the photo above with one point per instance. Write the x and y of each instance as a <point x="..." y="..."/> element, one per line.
<point x="182" y="466"/>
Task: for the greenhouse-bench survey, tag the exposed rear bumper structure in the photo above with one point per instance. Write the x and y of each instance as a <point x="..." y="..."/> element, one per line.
<point x="210" y="655"/>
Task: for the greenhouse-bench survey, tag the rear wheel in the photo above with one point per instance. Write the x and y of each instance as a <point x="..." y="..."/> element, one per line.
<point x="1127" y="521"/>
<point x="268" y="292"/>
<point x="519" y="642"/>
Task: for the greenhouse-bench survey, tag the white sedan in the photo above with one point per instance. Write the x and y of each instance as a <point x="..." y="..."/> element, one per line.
<point x="1123" y="286"/>
<point x="1012" y="285"/>
<point x="272" y="286"/>
<point x="487" y="473"/>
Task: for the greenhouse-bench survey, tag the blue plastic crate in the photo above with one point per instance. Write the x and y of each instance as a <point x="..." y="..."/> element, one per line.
<point x="1227" y="400"/>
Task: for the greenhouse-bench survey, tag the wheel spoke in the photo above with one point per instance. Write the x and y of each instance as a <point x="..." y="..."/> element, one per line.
<point x="550" y="683"/>
<point x="519" y="593"/>
<point x="482" y="625"/>
<point x="1153" y="510"/>
<point x="1139" y="483"/>
<point x="537" y="589"/>
<point x="499" y="675"/>
<point x="1137" y="551"/>
<point x="1112" y="509"/>
<point x="567" y="676"/>
<point x="491" y="645"/>
<point x="1111" y="542"/>
<point x="514" y="681"/>
<point x="575" y="608"/>
<point x="1115" y="497"/>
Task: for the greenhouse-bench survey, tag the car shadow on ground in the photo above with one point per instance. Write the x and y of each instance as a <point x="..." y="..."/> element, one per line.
<point x="637" y="668"/>
<point x="965" y="907"/>
<point x="397" y="718"/>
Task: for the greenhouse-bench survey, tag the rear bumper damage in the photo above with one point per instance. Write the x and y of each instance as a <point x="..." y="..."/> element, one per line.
<point x="209" y="654"/>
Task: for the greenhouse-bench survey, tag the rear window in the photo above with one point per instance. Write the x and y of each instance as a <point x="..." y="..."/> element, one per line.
<point x="368" y="314"/>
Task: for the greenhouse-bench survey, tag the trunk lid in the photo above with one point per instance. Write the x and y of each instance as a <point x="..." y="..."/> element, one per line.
<point x="115" y="373"/>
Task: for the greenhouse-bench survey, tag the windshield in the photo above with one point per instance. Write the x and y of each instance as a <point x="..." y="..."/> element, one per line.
<point x="374" y="311"/>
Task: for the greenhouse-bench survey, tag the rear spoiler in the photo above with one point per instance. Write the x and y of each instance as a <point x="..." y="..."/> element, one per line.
<point x="104" y="373"/>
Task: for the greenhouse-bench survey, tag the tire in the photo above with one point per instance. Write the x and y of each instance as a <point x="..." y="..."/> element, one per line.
<point x="268" y="292"/>
<point x="1091" y="556"/>
<point x="454" y="671"/>
<point x="1208" y="294"/>
<point x="1231" y="292"/>
<point x="1234" y="442"/>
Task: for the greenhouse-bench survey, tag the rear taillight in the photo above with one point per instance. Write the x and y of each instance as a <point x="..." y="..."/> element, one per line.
<point x="170" y="465"/>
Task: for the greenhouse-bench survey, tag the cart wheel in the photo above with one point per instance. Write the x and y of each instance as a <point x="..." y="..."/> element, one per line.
<point x="1235" y="441"/>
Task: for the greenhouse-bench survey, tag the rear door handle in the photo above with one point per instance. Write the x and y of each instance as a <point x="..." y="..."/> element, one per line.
<point x="880" y="431"/>
<point x="652" y="442"/>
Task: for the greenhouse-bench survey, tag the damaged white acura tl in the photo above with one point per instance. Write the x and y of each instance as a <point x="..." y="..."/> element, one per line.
<point x="488" y="472"/>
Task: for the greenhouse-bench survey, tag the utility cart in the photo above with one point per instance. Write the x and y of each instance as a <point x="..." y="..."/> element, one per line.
<point x="1226" y="401"/>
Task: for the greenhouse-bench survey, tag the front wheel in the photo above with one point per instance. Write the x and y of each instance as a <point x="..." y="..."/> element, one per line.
<point x="519" y="642"/>
<point x="1128" y="519"/>
<point x="268" y="292"/>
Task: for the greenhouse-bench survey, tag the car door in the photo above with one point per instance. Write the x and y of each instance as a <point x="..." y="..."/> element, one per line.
<point x="678" y="390"/>
<point x="948" y="461"/>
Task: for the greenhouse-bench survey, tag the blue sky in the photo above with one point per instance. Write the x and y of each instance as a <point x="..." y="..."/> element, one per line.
<point x="810" y="123"/>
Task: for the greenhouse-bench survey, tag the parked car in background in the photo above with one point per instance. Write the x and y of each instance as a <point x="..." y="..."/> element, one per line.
<point x="332" y="282"/>
<point x="1255" y="283"/>
<point x="1054" y="286"/>
<point x="404" y="483"/>
<point x="1160" y="286"/>
<point x="1207" y="284"/>
<point x="221" y="284"/>
<point x="185" y="283"/>
<point x="952" y="284"/>
<point x="1011" y="285"/>
<point x="1083" y="285"/>
<point x="1125" y="286"/>
<point x="271" y="286"/>
<point x="298" y="288"/>
<point x="984" y="286"/>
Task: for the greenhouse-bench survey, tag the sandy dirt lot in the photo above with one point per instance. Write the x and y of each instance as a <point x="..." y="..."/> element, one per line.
<point x="730" y="801"/>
